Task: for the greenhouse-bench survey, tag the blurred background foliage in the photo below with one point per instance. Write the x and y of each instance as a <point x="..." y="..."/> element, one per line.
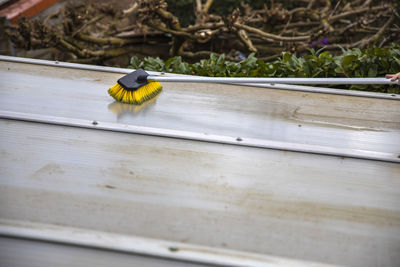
<point x="372" y="62"/>
<point x="265" y="38"/>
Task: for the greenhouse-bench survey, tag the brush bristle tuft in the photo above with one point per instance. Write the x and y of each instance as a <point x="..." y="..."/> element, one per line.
<point x="137" y="97"/>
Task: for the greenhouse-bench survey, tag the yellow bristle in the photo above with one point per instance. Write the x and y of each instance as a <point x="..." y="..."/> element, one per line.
<point x="137" y="97"/>
<point x="129" y="97"/>
<point x="116" y="91"/>
<point x="125" y="97"/>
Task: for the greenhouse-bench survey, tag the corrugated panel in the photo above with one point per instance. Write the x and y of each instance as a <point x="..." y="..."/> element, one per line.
<point x="311" y="207"/>
<point x="287" y="116"/>
<point x="287" y="204"/>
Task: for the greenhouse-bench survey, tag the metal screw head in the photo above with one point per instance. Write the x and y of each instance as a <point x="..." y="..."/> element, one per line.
<point x="95" y="123"/>
<point x="239" y="139"/>
<point x="173" y="249"/>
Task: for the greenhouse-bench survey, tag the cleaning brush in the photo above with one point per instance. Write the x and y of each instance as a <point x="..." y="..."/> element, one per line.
<point x="138" y="86"/>
<point x="135" y="88"/>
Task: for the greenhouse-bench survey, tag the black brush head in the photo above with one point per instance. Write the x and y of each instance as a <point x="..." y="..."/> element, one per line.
<point x="134" y="80"/>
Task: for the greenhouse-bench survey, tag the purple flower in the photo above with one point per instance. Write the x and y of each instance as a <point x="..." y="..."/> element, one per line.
<point x="313" y="43"/>
<point x="320" y="42"/>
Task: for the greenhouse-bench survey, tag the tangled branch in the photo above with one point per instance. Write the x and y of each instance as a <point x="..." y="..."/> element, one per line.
<point x="93" y="32"/>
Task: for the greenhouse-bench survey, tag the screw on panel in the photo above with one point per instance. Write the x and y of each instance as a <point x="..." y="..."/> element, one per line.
<point x="173" y="249"/>
<point x="95" y="123"/>
<point x="239" y="139"/>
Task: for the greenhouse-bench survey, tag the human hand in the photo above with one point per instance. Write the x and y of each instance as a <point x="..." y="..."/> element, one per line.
<point x="393" y="77"/>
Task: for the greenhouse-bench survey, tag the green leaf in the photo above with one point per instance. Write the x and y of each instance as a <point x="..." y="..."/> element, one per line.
<point x="221" y="59"/>
<point x="135" y="62"/>
<point x="213" y="57"/>
<point x="348" y="60"/>
<point x="286" y="57"/>
<point x="373" y="70"/>
<point x="338" y="70"/>
<point x="325" y="54"/>
<point x="319" y="50"/>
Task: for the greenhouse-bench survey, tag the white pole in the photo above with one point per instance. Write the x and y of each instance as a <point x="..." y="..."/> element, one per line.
<point x="270" y="80"/>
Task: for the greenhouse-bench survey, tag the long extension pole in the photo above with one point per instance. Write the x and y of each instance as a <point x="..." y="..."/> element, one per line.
<point x="160" y="78"/>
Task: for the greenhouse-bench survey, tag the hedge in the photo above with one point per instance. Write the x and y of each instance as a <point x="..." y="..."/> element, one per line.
<point x="372" y="62"/>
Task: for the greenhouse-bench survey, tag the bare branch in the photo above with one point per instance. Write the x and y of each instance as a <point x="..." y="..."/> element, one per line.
<point x="160" y="27"/>
<point x="104" y="41"/>
<point x="365" y="42"/>
<point x="271" y="36"/>
<point x="131" y="10"/>
<point x="96" y="19"/>
<point x="207" y="6"/>
<point x="246" y="40"/>
<point x="94" y="32"/>
<point x="358" y="11"/>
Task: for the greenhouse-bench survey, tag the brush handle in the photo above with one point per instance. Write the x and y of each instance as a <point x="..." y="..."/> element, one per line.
<point x="192" y="79"/>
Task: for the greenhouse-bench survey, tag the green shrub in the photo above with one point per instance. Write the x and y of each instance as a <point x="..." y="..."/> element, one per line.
<point x="355" y="63"/>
